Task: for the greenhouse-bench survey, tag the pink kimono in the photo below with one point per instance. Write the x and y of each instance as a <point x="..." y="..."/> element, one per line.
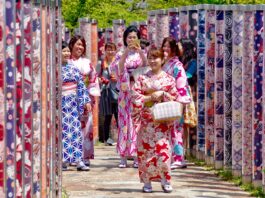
<point x="126" y="145"/>
<point x="90" y="77"/>
<point x="154" y="139"/>
<point x="175" y="68"/>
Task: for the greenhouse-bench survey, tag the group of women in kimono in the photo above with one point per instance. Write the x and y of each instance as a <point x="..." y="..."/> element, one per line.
<point x="148" y="143"/>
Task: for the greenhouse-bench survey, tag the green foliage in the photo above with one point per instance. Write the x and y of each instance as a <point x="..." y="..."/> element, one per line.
<point x="64" y="194"/>
<point x="104" y="11"/>
<point x="228" y="176"/>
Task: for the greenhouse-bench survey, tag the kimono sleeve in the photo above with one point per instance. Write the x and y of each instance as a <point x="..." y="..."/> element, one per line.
<point x="93" y="86"/>
<point x="122" y="79"/>
<point x="137" y="96"/>
<point x="171" y="94"/>
<point x="184" y="95"/>
<point x="115" y="64"/>
<point x="82" y="93"/>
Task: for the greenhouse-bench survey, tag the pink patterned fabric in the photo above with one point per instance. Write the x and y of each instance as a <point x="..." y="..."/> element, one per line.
<point x="175" y="68"/>
<point x="153" y="141"/>
<point x="88" y="71"/>
<point x="126" y="145"/>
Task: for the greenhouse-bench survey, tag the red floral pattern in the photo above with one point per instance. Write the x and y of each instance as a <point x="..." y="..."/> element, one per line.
<point x="153" y="141"/>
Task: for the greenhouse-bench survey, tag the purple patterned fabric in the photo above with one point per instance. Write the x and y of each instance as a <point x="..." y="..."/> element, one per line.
<point x="152" y="29"/>
<point x="209" y="82"/>
<point x="173" y="20"/>
<point x="219" y="88"/>
<point x="247" y="96"/>
<point x="2" y="98"/>
<point x="161" y="28"/>
<point x="238" y="26"/>
<point x="257" y="94"/>
<point x="10" y="96"/>
<point x="193" y="25"/>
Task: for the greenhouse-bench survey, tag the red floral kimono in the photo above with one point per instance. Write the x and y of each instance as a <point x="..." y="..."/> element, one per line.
<point x="153" y="139"/>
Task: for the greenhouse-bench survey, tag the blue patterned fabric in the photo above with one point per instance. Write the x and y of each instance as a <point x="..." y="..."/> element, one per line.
<point x="72" y="107"/>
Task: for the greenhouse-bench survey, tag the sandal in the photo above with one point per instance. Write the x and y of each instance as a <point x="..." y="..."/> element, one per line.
<point x="123" y="163"/>
<point x="167" y="188"/>
<point x="135" y="164"/>
<point x="147" y="189"/>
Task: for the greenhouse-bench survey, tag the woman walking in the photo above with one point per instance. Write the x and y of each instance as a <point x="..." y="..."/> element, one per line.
<point x="153" y="143"/>
<point x="174" y="67"/>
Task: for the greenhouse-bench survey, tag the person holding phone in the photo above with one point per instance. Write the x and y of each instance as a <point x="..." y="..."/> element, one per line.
<point x="125" y="62"/>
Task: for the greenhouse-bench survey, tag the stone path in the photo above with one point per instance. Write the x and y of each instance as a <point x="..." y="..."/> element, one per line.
<point x="105" y="180"/>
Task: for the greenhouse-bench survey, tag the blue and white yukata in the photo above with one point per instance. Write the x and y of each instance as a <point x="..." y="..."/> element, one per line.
<point x="74" y="98"/>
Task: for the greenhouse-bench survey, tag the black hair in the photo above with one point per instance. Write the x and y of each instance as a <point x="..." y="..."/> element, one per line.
<point x="110" y="45"/>
<point x="144" y="43"/>
<point x="175" y="46"/>
<point x="131" y="28"/>
<point x="74" y="39"/>
<point x="189" y="51"/>
<point x="64" y="44"/>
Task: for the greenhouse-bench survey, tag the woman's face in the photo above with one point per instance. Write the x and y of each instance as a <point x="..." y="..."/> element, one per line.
<point x="65" y="54"/>
<point x="132" y="36"/>
<point x="110" y="52"/>
<point x="155" y="63"/>
<point x="167" y="50"/>
<point x="78" y="49"/>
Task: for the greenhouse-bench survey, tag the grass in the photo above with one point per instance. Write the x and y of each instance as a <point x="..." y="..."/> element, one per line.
<point x="98" y="143"/>
<point x="226" y="175"/>
<point x="64" y="194"/>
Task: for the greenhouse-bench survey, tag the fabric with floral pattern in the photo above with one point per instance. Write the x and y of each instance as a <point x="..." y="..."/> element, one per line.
<point x="126" y="145"/>
<point x="175" y="68"/>
<point x="72" y="107"/>
<point x="153" y="141"/>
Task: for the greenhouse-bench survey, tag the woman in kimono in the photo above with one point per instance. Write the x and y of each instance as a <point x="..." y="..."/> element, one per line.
<point x="189" y="60"/>
<point x="77" y="47"/>
<point x="126" y="61"/>
<point x="174" y="67"/>
<point x="153" y="141"/>
<point x="75" y="100"/>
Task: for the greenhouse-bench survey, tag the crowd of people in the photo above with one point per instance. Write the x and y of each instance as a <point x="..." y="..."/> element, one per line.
<point x="156" y="148"/>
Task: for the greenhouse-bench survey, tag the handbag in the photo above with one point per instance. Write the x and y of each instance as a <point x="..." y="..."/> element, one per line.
<point x="114" y="94"/>
<point x="190" y="114"/>
<point x="167" y="111"/>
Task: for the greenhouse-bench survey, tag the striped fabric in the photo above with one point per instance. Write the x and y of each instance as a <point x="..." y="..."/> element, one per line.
<point x="69" y="88"/>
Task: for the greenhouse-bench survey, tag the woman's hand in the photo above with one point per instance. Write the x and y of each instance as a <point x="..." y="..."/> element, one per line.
<point x="157" y="96"/>
<point x="124" y="86"/>
<point x="149" y="91"/>
<point x="113" y="78"/>
<point x="135" y="45"/>
<point x="88" y="107"/>
<point x="122" y="60"/>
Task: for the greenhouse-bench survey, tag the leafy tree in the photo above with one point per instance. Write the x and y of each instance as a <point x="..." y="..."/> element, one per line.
<point x="107" y="10"/>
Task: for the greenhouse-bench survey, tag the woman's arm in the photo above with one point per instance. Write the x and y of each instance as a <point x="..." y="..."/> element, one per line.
<point x="142" y="55"/>
<point x="122" y="61"/>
